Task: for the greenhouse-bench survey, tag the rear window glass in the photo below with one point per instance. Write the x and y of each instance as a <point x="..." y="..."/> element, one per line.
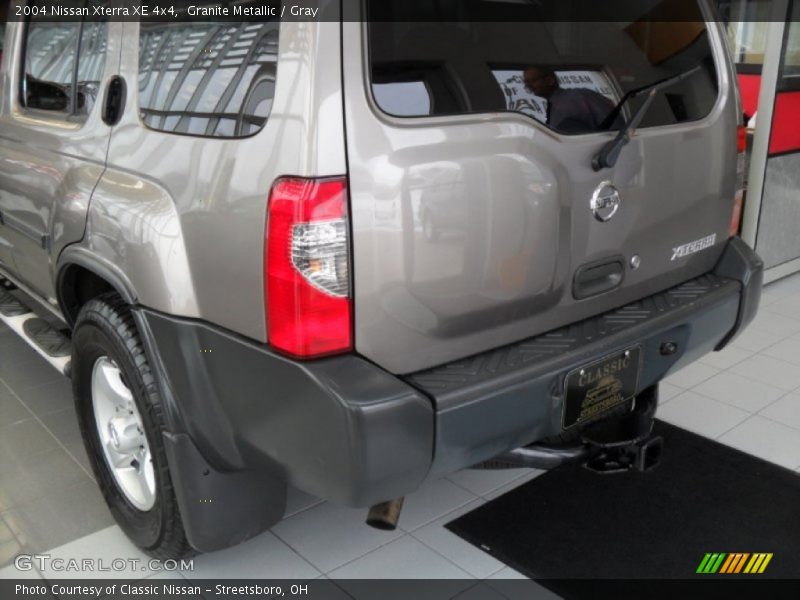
<point x="569" y="76"/>
<point x="207" y="79"/>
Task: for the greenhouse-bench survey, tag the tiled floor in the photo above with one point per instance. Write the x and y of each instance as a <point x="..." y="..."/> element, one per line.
<point x="747" y="396"/>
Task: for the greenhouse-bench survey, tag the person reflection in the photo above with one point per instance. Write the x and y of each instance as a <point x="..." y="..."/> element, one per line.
<point x="574" y="110"/>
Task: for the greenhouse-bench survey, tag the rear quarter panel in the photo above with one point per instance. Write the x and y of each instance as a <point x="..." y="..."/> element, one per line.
<point x="183" y="217"/>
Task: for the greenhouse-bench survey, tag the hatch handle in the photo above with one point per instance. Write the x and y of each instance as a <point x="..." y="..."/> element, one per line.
<point x="598" y="278"/>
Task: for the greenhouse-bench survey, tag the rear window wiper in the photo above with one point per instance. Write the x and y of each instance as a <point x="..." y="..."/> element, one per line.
<point x="609" y="153"/>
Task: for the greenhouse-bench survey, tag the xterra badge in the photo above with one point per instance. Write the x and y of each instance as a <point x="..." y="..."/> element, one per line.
<point x="694" y="247"/>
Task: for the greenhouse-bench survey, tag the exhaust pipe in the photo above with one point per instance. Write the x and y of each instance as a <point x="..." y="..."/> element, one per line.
<point x="384" y="516"/>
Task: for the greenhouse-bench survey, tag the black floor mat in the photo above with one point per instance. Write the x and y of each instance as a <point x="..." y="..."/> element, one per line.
<point x="703" y="498"/>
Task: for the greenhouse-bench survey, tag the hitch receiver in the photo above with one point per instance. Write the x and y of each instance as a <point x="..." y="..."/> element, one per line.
<point x="642" y="456"/>
<point x="610" y="446"/>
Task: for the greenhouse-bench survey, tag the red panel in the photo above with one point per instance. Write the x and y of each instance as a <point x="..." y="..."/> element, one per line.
<point x="786" y="123"/>
<point x="749" y="86"/>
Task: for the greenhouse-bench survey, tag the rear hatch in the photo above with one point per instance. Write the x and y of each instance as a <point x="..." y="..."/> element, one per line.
<point x="478" y="218"/>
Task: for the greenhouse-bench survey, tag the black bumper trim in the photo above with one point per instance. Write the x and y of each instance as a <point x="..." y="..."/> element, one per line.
<point x="739" y="267"/>
<point x="513" y="396"/>
<point x="740" y="263"/>
<point x="460" y="377"/>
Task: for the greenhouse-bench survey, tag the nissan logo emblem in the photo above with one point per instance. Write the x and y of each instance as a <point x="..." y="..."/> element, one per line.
<point x="605" y="202"/>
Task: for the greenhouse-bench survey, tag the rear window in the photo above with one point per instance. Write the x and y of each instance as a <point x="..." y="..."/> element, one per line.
<point x="207" y="79"/>
<point x="569" y="76"/>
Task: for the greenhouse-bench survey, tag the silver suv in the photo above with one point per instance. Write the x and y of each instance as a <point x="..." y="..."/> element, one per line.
<point x="356" y="252"/>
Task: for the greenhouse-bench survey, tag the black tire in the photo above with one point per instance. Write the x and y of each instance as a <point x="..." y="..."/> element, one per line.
<point x="105" y="327"/>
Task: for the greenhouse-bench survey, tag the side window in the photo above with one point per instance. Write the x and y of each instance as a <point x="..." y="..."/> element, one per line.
<point x="91" y="63"/>
<point x="3" y="18"/>
<point x="50" y="79"/>
<point x="207" y="79"/>
<point x="790" y="64"/>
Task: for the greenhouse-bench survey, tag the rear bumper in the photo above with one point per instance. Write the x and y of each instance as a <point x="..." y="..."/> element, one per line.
<point x="513" y="396"/>
<point x="343" y="429"/>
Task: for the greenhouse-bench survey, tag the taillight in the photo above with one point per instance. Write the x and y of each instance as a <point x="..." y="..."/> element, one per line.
<point x="741" y="139"/>
<point x="308" y="267"/>
<point x="741" y="162"/>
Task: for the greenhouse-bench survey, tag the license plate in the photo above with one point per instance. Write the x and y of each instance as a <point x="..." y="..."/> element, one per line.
<point x="598" y="387"/>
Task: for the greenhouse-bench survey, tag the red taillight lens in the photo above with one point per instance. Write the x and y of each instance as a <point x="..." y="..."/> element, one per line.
<point x="741" y="139"/>
<point x="308" y="268"/>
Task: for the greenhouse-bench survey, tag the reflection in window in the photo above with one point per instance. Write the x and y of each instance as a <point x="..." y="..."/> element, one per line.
<point x="520" y="99"/>
<point x="91" y="62"/>
<point x="207" y="79"/>
<point x="4" y="6"/>
<point x="50" y="78"/>
<point x="748" y="22"/>
<point x="790" y="70"/>
<point x="403" y="98"/>
<point x="49" y="65"/>
<point x="566" y="74"/>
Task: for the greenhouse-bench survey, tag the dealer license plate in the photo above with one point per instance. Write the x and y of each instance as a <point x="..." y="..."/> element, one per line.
<point x="598" y="387"/>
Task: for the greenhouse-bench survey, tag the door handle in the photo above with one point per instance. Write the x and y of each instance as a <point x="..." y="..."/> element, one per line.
<point x="115" y="101"/>
<point x="598" y="278"/>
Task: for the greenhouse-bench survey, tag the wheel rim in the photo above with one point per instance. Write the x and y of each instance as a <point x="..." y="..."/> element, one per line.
<point x="121" y="434"/>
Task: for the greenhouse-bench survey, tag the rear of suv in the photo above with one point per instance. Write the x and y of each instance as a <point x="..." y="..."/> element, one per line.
<point x="354" y="253"/>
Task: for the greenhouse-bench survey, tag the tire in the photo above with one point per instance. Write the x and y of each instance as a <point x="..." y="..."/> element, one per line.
<point x="108" y="361"/>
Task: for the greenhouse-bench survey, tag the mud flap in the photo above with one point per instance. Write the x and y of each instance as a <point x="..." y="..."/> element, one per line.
<point x="220" y="510"/>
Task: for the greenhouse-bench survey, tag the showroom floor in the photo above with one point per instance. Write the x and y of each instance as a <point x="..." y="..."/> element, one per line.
<point x="747" y="396"/>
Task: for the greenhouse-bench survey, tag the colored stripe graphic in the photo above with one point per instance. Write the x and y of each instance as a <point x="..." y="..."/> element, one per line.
<point x="717" y="563"/>
<point x="734" y="563"/>
<point x="765" y="563"/>
<point x="703" y="563"/>
<point x="740" y="564"/>
<point x="711" y="563"/>
<point x="726" y="565"/>
<point x="731" y="566"/>
<point x="754" y="563"/>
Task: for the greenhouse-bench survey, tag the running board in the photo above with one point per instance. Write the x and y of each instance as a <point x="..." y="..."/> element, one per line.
<point x="49" y="343"/>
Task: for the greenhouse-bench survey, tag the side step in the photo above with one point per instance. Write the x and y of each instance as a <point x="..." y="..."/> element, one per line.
<point x="49" y="343"/>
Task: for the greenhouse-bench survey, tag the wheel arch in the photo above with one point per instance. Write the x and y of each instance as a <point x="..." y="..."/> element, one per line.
<point x="82" y="276"/>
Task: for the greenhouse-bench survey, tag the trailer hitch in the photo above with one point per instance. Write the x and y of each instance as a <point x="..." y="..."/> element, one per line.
<point x="610" y="446"/>
<point x="619" y="445"/>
